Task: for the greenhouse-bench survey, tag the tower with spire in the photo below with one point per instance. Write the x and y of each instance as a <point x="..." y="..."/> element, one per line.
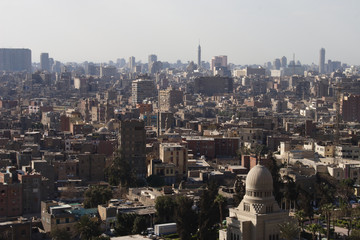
<point x="199" y="56"/>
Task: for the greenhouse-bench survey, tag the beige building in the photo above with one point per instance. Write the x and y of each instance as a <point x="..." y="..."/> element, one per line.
<point x="176" y="154"/>
<point x="169" y="98"/>
<point x="258" y="215"/>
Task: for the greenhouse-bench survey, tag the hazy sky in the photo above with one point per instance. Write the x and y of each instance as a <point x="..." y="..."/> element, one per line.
<point x="253" y="31"/>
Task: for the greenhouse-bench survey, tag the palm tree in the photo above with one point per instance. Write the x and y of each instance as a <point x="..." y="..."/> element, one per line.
<point x="220" y="201"/>
<point x="313" y="228"/>
<point x="60" y="234"/>
<point x="327" y="210"/>
<point x="300" y="216"/>
<point x="289" y="230"/>
<point x="87" y="227"/>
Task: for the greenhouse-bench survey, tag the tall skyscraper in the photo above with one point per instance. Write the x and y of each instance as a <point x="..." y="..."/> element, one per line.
<point x="218" y="61"/>
<point x="15" y="59"/>
<point x="199" y="57"/>
<point x="44" y="62"/>
<point x="283" y="62"/>
<point x="277" y="64"/>
<point x="132" y="63"/>
<point x="152" y="58"/>
<point x="322" y="61"/>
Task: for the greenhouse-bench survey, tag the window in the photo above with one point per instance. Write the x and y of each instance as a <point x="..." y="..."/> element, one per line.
<point x="67" y="220"/>
<point x="57" y="221"/>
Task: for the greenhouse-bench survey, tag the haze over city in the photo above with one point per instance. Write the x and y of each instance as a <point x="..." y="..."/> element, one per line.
<point x="249" y="32"/>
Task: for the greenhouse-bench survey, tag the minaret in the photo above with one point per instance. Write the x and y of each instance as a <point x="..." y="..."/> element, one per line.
<point x="199" y="57"/>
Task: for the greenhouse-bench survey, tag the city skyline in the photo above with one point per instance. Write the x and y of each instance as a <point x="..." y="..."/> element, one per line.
<point x="247" y="32"/>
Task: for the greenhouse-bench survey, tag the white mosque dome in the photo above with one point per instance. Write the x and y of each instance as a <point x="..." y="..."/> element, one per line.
<point x="259" y="178"/>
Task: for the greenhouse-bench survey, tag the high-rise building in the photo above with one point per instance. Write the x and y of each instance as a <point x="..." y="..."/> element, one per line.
<point x="44" y="62"/>
<point x="15" y="59"/>
<point x="218" y="61"/>
<point x="199" y="57"/>
<point x="132" y="63"/>
<point x="152" y="58"/>
<point x="350" y="108"/>
<point x="132" y="143"/>
<point x="322" y="61"/>
<point x="283" y="62"/>
<point x="277" y="64"/>
<point x="142" y="89"/>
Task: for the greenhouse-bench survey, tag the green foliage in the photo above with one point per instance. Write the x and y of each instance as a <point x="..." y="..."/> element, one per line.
<point x="88" y="228"/>
<point x="325" y="188"/>
<point x="304" y="202"/>
<point x="355" y="234"/>
<point x="277" y="182"/>
<point x="314" y="228"/>
<point x="96" y="195"/>
<point x="289" y="230"/>
<point x="139" y="225"/>
<point x="155" y="181"/>
<point x="239" y="193"/>
<point x="120" y="172"/>
<point x="186" y="218"/>
<point x="124" y="224"/>
<point x="209" y="213"/>
<point x="60" y="234"/>
<point x="346" y="189"/>
<point x="220" y="200"/>
<point x="165" y="209"/>
<point x="127" y="224"/>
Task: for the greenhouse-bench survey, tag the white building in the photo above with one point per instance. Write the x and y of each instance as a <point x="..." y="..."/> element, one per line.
<point x="258" y="215"/>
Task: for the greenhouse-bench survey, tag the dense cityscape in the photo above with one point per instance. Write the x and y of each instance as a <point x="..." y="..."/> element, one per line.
<point x="196" y="150"/>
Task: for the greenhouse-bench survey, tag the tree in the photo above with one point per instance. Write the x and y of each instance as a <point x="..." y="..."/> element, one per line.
<point x="60" y="234"/>
<point x="96" y="195"/>
<point x="120" y="171"/>
<point x="209" y="214"/>
<point x="300" y="216"/>
<point x="239" y="192"/>
<point x="220" y="201"/>
<point x="88" y="227"/>
<point x="289" y="230"/>
<point x="165" y="209"/>
<point x="327" y="210"/>
<point x="277" y="182"/>
<point x="290" y="193"/>
<point x="313" y="228"/>
<point x="155" y="181"/>
<point x="304" y="202"/>
<point x="139" y="225"/>
<point x="124" y="224"/>
<point x="185" y="217"/>
<point x="355" y="234"/>
<point x="346" y="189"/>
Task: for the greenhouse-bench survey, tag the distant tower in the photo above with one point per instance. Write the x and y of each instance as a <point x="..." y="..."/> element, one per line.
<point x="44" y="62"/>
<point x="132" y="64"/>
<point x="277" y="64"/>
<point x="199" y="56"/>
<point x="322" y="61"/>
<point x="151" y="60"/>
<point x="283" y="62"/>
